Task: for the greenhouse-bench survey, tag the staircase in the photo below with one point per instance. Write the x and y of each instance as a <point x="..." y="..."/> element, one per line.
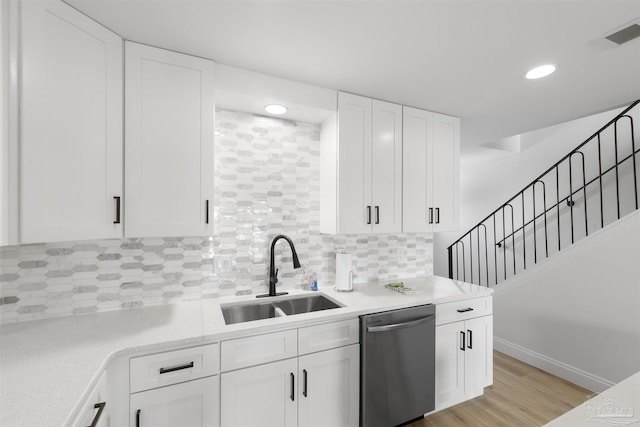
<point x="591" y="187"/>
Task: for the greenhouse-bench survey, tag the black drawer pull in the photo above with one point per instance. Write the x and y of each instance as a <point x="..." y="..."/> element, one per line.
<point x="176" y="368"/>
<point x="430" y="215"/>
<point x="368" y="214"/>
<point x="470" y="343"/>
<point x="304" y="389"/>
<point x="464" y="310"/>
<point x="462" y="340"/>
<point x="117" y="199"/>
<point x="293" y="379"/>
<point x="377" y="214"/>
<point x="437" y="215"/>
<point x="138" y="418"/>
<point x="100" y="407"/>
<point x="206" y="212"/>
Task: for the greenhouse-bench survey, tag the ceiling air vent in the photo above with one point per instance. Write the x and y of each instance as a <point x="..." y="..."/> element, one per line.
<point x="626" y="34"/>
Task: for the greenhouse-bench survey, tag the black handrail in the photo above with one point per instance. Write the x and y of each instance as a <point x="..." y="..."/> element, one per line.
<point x="569" y="199"/>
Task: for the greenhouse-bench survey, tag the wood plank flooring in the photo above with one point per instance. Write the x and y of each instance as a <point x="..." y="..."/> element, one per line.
<point x="521" y="395"/>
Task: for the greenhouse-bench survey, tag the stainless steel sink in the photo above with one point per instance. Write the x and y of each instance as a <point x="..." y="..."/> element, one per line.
<point x="277" y="307"/>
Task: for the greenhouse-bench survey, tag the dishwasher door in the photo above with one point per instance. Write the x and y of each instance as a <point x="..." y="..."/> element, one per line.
<point x="397" y="366"/>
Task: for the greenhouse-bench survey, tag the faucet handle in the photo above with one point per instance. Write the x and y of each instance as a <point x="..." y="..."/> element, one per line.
<point x="276" y="274"/>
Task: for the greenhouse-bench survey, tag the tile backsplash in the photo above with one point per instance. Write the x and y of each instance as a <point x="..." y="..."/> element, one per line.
<point x="266" y="183"/>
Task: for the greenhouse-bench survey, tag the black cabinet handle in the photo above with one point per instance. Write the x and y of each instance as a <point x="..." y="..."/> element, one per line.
<point x="437" y="215"/>
<point x="377" y="214"/>
<point x="293" y="378"/>
<point x="100" y="407"/>
<point x="464" y="310"/>
<point x="117" y="199"/>
<point x="368" y="214"/>
<point x="138" y="418"/>
<point x="206" y="212"/>
<point x="304" y="389"/>
<point x="462" y="340"/>
<point x="430" y="215"/>
<point x="176" y="368"/>
<point x="470" y="343"/>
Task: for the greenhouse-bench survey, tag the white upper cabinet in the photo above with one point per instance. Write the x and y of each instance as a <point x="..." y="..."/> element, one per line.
<point x="386" y="176"/>
<point x="169" y="124"/>
<point x="431" y="152"/>
<point x="71" y="127"/>
<point x="361" y="168"/>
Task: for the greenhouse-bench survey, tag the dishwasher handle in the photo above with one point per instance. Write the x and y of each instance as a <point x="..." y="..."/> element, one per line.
<point x="395" y="326"/>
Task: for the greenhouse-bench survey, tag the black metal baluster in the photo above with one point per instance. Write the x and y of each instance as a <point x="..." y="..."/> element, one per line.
<point x="584" y="195"/>
<point x="558" y="204"/>
<point x="486" y="254"/>
<point x="495" y="251"/>
<point x="471" y="255"/>
<point x="535" y="238"/>
<point x="544" y="205"/>
<point x="570" y="198"/>
<point x="464" y="271"/>
<point x="633" y="159"/>
<point x="615" y="147"/>
<point x="504" y="245"/>
<point x="600" y="181"/>
<point x="524" y="236"/>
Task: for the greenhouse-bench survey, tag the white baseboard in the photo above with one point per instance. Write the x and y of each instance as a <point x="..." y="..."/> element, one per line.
<point x="555" y="367"/>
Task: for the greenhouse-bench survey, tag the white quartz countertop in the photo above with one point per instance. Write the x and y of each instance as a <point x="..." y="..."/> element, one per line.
<point x="618" y="405"/>
<point x="47" y="366"/>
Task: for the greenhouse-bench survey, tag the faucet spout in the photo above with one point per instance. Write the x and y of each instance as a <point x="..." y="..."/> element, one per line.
<point x="273" y="271"/>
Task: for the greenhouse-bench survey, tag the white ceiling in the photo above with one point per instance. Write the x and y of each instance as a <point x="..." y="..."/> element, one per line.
<point x="464" y="58"/>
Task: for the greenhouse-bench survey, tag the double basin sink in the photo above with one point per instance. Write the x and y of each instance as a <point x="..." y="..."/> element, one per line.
<point x="277" y="307"/>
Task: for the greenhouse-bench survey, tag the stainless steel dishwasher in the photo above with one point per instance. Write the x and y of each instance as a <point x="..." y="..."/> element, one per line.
<point x="397" y="365"/>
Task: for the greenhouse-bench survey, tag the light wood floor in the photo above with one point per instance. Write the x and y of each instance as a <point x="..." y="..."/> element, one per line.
<point x="521" y="395"/>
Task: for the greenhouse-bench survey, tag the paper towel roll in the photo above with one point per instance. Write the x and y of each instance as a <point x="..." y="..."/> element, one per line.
<point x="343" y="272"/>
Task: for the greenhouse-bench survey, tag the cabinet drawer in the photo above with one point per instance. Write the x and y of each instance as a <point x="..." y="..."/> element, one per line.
<point x="250" y="351"/>
<point x="462" y="310"/>
<point x="329" y="335"/>
<point x="88" y="412"/>
<point x="158" y="370"/>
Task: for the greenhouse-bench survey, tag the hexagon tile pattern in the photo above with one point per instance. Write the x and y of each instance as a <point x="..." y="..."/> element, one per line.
<point x="267" y="182"/>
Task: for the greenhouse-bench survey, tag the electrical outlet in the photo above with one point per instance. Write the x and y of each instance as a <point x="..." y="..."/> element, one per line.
<point x="401" y="256"/>
<point x="222" y="264"/>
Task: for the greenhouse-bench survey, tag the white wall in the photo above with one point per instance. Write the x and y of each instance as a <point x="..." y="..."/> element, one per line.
<point x="489" y="177"/>
<point x="4" y="147"/>
<point x="578" y="314"/>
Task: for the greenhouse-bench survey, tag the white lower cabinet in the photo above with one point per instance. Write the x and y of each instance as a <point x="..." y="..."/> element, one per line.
<point x="262" y="395"/>
<point x="189" y="404"/>
<point x="329" y="392"/>
<point x="305" y="377"/>
<point x="319" y="389"/>
<point x="464" y="360"/>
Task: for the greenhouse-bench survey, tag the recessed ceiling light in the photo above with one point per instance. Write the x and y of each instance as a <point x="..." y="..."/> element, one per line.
<point x="275" y="109"/>
<point x="541" y="71"/>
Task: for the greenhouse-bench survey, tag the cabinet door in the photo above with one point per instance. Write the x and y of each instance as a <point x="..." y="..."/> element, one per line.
<point x="478" y="354"/>
<point x="416" y="170"/>
<point x="354" y="164"/>
<point x="189" y="404"/>
<point x="329" y="388"/>
<point x="387" y="167"/>
<point x="71" y="143"/>
<point x="450" y="365"/>
<point x="445" y="172"/>
<point x="263" y="396"/>
<point x="169" y="143"/>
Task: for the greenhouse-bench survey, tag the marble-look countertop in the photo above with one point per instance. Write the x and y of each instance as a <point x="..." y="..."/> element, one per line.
<point x="619" y="405"/>
<point x="48" y="366"/>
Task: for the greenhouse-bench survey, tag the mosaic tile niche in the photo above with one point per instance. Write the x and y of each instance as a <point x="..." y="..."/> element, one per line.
<point x="266" y="183"/>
